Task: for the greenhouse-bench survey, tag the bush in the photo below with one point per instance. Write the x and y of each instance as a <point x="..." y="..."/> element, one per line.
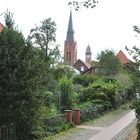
<point x="108" y="92"/>
<point x="137" y="106"/>
<point x="84" y="80"/>
<point x="55" y="124"/>
<point x="66" y="93"/>
<point x="91" y="112"/>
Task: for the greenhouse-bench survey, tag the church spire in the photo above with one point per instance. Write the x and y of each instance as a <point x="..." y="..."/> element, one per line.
<point x="70" y="46"/>
<point x="70" y="31"/>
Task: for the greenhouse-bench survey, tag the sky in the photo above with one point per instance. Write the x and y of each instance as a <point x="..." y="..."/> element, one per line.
<point x="107" y="26"/>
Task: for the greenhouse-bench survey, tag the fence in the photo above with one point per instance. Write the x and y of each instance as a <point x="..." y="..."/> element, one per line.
<point x="8" y="132"/>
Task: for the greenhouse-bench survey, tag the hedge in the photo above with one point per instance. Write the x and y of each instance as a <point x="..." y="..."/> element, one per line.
<point x="55" y="124"/>
<point x="91" y="112"/>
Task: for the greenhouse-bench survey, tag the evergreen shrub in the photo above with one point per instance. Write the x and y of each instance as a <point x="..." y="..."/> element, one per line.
<point x="84" y="80"/>
<point x="55" y="124"/>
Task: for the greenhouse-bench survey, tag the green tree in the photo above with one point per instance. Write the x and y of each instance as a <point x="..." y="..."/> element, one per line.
<point x="44" y="35"/>
<point x="86" y="3"/>
<point x="135" y="71"/>
<point x="22" y="73"/>
<point x="66" y="93"/>
<point x="108" y="63"/>
<point x="9" y="21"/>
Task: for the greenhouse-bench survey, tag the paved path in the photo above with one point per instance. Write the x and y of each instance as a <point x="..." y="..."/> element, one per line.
<point x="109" y="132"/>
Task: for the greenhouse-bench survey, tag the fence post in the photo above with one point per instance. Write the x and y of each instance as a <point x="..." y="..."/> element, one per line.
<point x="77" y="116"/>
<point x="69" y="116"/>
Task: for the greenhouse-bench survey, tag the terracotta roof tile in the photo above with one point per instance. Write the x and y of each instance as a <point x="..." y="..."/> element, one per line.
<point x="122" y="57"/>
<point x="1" y="27"/>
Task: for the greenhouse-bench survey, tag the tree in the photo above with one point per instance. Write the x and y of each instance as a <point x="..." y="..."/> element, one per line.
<point x="42" y="36"/>
<point x="86" y="3"/>
<point x="22" y="73"/>
<point x="108" y="63"/>
<point x="9" y="21"/>
<point x="66" y="93"/>
<point x="135" y="71"/>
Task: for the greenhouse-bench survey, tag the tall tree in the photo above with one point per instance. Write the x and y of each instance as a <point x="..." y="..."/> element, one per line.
<point x="135" y="71"/>
<point x="45" y="34"/>
<point x="108" y="63"/>
<point x="22" y="73"/>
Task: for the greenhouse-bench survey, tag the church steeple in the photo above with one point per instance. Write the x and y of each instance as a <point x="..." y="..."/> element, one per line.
<point x="70" y="46"/>
<point x="70" y="31"/>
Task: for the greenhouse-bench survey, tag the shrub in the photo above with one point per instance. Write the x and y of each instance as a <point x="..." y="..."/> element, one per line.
<point x="66" y="93"/>
<point x="137" y="106"/>
<point x="109" y="91"/>
<point x="91" y="112"/>
<point x="84" y="80"/>
<point x="55" y="124"/>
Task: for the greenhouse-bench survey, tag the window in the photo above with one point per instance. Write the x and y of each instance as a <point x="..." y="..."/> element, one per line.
<point x="82" y="68"/>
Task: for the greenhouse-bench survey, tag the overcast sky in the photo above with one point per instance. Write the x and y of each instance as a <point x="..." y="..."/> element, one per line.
<point x="108" y="26"/>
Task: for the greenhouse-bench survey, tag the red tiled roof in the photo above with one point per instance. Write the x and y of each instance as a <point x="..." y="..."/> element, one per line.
<point x="1" y="27"/>
<point x="122" y="57"/>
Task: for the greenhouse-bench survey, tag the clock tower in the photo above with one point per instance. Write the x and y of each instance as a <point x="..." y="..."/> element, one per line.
<point x="88" y="54"/>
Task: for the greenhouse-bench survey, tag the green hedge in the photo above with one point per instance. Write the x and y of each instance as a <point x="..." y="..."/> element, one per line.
<point x="84" y="80"/>
<point x="110" y="93"/>
<point x="55" y="124"/>
<point x="91" y="112"/>
<point x="137" y="106"/>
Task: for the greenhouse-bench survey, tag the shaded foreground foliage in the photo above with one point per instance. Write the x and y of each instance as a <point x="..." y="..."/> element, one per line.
<point x="21" y="78"/>
<point x="135" y="52"/>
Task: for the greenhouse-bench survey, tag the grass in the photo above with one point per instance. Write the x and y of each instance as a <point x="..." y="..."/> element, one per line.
<point x="132" y="136"/>
<point x="64" y="134"/>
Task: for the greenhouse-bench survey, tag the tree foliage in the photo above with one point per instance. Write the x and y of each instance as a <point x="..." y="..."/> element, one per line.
<point x="86" y="3"/>
<point x="66" y="93"/>
<point x="43" y="36"/>
<point x="135" y="71"/>
<point x="108" y="63"/>
<point x="22" y="73"/>
<point x="9" y="21"/>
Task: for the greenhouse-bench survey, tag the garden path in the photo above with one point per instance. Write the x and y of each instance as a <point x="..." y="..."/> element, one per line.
<point x="107" y="133"/>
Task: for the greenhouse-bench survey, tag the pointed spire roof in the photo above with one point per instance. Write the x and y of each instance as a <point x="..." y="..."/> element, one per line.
<point x="88" y="50"/>
<point x="70" y="31"/>
<point x="122" y="57"/>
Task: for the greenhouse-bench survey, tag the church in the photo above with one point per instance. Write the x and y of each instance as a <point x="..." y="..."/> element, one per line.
<point x="70" y="50"/>
<point x="70" y="53"/>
